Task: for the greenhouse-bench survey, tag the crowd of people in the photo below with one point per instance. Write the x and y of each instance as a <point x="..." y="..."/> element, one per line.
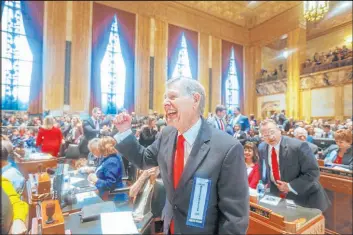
<point x="326" y="58"/>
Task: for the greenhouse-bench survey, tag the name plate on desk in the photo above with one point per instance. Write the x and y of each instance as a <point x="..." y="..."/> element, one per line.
<point x="260" y="211"/>
<point x="337" y="172"/>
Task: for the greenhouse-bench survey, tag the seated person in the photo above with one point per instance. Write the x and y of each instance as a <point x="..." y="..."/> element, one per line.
<point x="341" y="152"/>
<point x="239" y="134"/>
<point x="7" y="169"/>
<point x="327" y="132"/>
<point x="251" y="155"/>
<point x="19" y="211"/>
<point x="108" y="175"/>
<point x="302" y="134"/>
<point x="137" y="186"/>
<point x="94" y="157"/>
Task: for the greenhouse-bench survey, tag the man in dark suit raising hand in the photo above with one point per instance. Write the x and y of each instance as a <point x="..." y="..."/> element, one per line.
<point x="202" y="168"/>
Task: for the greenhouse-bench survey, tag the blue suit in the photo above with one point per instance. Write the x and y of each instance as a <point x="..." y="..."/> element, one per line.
<point x="243" y="121"/>
<point x="109" y="174"/>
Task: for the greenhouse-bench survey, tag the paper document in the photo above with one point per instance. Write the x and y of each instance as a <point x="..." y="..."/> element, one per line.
<point x="118" y="223"/>
<point x="340" y="168"/>
<point x="82" y="196"/>
<point x="270" y="200"/>
<point x="74" y="180"/>
<point x="252" y="192"/>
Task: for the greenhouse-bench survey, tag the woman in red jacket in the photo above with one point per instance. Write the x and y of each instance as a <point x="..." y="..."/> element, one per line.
<point x="251" y="155"/>
<point x="49" y="137"/>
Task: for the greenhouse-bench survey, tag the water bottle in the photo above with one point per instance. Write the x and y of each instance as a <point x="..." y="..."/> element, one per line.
<point x="260" y="188"/>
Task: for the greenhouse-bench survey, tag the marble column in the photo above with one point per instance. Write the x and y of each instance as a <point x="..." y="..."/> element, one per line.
<point x="296" y="44"/>
<point x="252" y="70"/>
<point x="142" y="64"/>
<point x="204" y="67"/>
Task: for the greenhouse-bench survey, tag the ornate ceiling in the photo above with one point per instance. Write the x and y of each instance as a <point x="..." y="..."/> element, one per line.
<point x="252" y="13"/>
<point x="244" y="13"/>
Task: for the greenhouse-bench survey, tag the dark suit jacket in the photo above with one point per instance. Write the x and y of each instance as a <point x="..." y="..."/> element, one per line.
<point x="215" y="155"/>
<point x="242" y="137"/>
<point x="281" y="119"/>
<point x="300" y="169"/>
<point x="90" y="132"/>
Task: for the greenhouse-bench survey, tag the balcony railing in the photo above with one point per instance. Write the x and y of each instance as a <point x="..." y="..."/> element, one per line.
<point x="322" y="67"/>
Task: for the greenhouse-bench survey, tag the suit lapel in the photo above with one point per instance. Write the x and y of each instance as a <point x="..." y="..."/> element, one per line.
<point x="197" y="154"/>
<point x="283" y="150"/>
<point x="170" y="144"/>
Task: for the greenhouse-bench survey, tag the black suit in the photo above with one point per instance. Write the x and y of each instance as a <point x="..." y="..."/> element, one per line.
<point x="90" y="132"/>
<point x="241" y="136"/>
<point x="300" y="169"/>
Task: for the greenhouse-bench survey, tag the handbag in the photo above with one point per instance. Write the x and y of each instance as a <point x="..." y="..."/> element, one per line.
<point x="73" y="151"/>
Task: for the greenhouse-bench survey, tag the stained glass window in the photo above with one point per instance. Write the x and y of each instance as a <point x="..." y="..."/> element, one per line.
<point x="16" y="59"/>
<point x="182" y="67"/>
<point x="113" y="73"/>
<point x="232" y="85"/>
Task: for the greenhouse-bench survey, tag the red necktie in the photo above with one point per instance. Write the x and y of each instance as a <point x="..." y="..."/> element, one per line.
<point x="222" y="127"/>
<point x="178" y="168"/>
<point x="274" y="162"/>
<point x="275" y="169"/>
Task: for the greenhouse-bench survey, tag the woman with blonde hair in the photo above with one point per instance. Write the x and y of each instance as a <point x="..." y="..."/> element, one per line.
<point x="108" y="175"/>
<point x="49" y="137"/>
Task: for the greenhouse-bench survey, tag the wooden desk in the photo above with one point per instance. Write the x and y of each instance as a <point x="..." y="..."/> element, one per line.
<point x="268" y="219"/>
<point x="27" y="167"/>
<point x="338" y="186"/>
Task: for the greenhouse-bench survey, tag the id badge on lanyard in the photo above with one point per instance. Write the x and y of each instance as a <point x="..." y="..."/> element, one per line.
<point x="199" y="202"/>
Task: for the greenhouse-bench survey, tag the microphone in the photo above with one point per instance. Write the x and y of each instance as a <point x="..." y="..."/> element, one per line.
<point x="50" y="171"/>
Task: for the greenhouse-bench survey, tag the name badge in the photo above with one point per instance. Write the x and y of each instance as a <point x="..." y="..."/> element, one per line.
<point x="198" y="202"/>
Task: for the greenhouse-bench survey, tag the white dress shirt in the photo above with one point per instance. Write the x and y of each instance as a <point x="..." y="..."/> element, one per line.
<point x="190" y="137"/>
<point x="218" y="123"/>
<point x="277" y="146"/>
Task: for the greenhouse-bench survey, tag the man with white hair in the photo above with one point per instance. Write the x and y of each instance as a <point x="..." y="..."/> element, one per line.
<point x="196" y="163"/>
<point x="301" y="134"/>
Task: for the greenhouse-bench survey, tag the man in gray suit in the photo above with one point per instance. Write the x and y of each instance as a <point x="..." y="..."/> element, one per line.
<point x="301" y="134"/>
<point x="290" y="168"/>
<point x="202" y="168"/>
<point x="218" y="121"/>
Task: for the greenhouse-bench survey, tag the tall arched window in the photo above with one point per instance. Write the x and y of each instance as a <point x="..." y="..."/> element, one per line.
<point x="16" y="59"/>
<point x="182" y="67"/>
<point x="232" y="84"/>
<point x="113" y="73"/>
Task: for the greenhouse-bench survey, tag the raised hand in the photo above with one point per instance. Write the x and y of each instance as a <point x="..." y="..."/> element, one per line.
<point x="122" y="122"/>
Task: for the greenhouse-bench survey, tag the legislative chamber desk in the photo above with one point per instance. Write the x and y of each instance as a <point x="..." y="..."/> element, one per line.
<point x="280" y="219"/>
<point x="338" y="186"/>
<point x="71" y="213"/>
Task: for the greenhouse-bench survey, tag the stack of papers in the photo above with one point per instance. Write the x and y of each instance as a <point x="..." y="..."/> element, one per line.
<point x="118" y="223"/>
<point x="270" y="200"/>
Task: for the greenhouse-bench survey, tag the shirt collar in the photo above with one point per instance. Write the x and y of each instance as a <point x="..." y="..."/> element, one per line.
<point x="277" y="145"/>
<point x="191" y="134"/>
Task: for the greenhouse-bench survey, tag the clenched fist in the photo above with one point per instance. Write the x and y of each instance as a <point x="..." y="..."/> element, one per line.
<point x="122" y="122"/>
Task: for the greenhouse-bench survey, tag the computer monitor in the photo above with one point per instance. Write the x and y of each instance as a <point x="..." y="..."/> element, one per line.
<point x="323" y="143"/>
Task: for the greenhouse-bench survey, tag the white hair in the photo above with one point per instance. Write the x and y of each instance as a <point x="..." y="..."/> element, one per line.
<point x="300" y="130"/>
<point x="93" y="144"/>
<point x="189" y="87"/>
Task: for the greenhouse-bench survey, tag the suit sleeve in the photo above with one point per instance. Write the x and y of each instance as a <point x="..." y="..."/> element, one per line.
<point x="233" y="195"/>
<point x="309" y="170"/>
<point x="141" y="157"/>
<point x="88" y="128"/>
<point x="111" y="174"/>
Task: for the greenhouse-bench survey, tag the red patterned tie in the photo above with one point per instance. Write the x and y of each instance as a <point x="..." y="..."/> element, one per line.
<point x="275" y="169"/>
<point x="222" y="127"/>
<point x="178" y="168"/>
